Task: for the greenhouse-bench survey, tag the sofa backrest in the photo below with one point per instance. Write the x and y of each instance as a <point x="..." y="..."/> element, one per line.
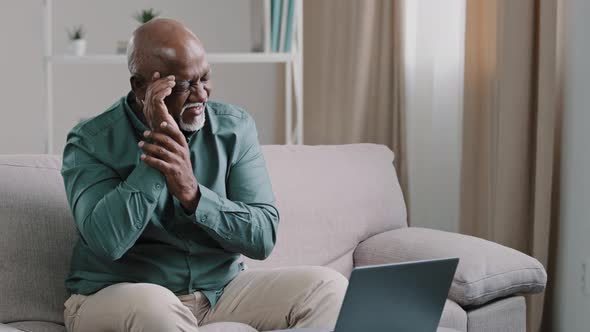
<point x="37" y="233"/>
<point x="329" y="198"/>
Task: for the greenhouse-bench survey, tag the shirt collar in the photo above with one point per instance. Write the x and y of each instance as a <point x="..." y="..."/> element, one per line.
<point x="138" y="125"/>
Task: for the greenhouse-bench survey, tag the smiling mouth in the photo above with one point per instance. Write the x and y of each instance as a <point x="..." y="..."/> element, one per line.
<point x="195" y="109"/>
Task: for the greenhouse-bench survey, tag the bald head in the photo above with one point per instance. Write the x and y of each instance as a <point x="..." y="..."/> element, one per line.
<point x="162" y="43"/>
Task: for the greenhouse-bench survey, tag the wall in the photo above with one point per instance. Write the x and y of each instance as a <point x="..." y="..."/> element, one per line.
<point x="86" y="90"/>
<point x="22" y="112"/>
<point x="572" y="307"/>
<point x="434" y="33"/>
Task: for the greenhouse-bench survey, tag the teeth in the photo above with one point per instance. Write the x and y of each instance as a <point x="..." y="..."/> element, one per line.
<point x="199" y="106"/>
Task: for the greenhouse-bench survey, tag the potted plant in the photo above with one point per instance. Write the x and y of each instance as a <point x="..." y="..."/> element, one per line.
<point x="146" y="15"/>
<point x="77" y="41"/>
<point x="142" y="17"/>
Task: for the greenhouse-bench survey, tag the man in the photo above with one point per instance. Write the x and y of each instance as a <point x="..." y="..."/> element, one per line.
<point x="167" y="190"/>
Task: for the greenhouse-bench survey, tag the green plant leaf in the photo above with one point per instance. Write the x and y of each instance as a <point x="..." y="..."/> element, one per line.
<point x="146" y="15"/>
<point x="76" y="32"/>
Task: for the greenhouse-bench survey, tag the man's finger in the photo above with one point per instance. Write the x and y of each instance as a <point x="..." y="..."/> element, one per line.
<point x="158" y="86"/>
<point x="158" y="151"/>
<point x="164" y="140"/>
<point x="156" y="163"/>
<point x="173" y="131"/>
<point x="156" y="76"/>
<point x="160" y="95"/>
<point x="160" y="83"/>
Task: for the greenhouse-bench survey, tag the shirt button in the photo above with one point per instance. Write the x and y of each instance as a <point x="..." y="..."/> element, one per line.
<point x="204" y="218"/>
<point x="158" y="186"/>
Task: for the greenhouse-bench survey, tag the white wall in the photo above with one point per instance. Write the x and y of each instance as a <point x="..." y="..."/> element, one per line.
<point x="572" y="307"/>
<point x="22" y="119"/>
<point x="434" y="32"/>
<point x="85" y="90"/>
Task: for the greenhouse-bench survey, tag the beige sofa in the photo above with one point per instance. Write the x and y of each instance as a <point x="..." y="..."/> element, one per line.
<point x="341" y="206"/>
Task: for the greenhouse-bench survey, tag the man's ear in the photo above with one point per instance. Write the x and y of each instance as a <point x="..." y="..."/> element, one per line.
<point x="138" y="86"/>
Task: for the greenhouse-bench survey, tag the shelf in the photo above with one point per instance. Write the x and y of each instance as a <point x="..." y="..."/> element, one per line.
<point x="101" y="59"/>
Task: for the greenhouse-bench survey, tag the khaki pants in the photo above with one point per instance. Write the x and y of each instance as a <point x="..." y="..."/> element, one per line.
<point x="266" y="299"/>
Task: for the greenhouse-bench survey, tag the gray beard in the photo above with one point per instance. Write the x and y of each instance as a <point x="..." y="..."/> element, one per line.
<point x="195" y="125"/>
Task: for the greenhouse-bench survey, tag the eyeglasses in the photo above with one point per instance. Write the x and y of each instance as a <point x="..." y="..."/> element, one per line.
<point x="184" y="86"/>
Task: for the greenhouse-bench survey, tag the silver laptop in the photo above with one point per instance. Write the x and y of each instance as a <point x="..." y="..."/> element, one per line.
<point x="405" y="297"/>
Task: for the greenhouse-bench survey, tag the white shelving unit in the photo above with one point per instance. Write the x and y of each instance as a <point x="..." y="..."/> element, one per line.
<point x="293" y="66"/>
<point x="212" y="57"/>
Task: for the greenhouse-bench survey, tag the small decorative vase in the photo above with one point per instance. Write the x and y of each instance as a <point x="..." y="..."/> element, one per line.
<point x="78" y="47"/>
<point x="121" y="47"/>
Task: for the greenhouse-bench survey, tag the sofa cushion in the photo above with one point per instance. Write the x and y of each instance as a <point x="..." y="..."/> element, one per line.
<point x="330" y="198"/>
<point x="36" y="240"/>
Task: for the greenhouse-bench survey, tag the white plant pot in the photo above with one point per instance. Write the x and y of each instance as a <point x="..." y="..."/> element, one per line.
<point x="121" y="47"/>
<point x="78" y="47"/>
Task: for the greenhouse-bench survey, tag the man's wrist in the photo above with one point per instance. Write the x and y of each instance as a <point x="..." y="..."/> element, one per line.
<point x="190" y="205"/>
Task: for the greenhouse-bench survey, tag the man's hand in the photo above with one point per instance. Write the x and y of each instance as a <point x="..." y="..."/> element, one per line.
<point x="154" y="108"/>
<point x="170" y="155"/>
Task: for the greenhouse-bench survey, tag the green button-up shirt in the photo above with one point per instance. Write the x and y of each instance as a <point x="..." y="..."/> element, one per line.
<point x="133" y="230"/>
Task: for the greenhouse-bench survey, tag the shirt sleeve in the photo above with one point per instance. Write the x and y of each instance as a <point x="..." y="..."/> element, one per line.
<point x="246" y="221"/>
<point x="110" y="212"/>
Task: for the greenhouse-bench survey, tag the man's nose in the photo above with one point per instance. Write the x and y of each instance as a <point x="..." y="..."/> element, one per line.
<point x="199" y="95"/>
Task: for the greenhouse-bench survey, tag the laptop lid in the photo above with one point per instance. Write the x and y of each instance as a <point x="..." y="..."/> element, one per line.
<point x="404" y="297"/>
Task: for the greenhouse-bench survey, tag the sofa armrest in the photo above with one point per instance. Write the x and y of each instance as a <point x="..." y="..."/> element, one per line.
<point x="486" y="270"/>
